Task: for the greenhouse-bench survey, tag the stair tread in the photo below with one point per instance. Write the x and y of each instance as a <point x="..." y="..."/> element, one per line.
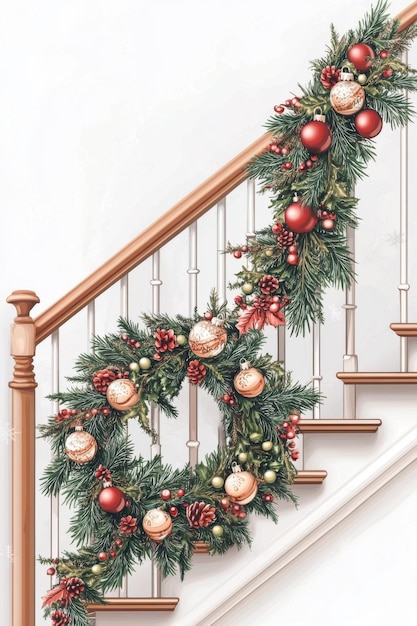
<point x="404" y="329"/>
<point x="135" y="604"/>
<point x="367" y="378"/>
<point x="339" y="426"/>
<point x="310" y="477"/>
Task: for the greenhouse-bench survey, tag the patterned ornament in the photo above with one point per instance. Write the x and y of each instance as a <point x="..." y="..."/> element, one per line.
<point x="208" y="338"/>
<point x="358" y="53"/>
<point x="80" y="446"/>
<point x="241" y="486"/>
<point x="316" y="135"/>
<point x="121" y="394"/>
<point x="299" y="217"/>
<point x="347" y="97"/>
<point x="249" y="382"/>
<point x="157" y="524"/>
<point x="200" y="514"/>
<point x="368" y="123"/>
<point x="111" y="499"/>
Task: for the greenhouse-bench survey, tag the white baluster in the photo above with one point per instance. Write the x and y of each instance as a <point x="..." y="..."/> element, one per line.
<point x="317" y="377"/>
<point x="404" y="286"/>
<point x="54" y="502"/>
<point x="124" y="296"/>
<point x="221" y="279"/>
<point x="250" y="211"/>
<point x="156" y="282"/>
<point x="350" y="359"/>
<point x="91" y="322"/>
<point x="193" y="272"/>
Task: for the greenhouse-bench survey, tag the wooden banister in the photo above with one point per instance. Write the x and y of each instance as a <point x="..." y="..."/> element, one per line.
<point x="151" y="239"/>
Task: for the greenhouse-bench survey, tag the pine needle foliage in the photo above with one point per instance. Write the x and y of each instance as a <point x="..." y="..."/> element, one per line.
<point x="328" y="183"/>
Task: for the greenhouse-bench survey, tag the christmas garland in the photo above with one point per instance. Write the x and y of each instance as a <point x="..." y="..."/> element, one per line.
<point x="322" y="143"/>
<point x="135" y="508"/>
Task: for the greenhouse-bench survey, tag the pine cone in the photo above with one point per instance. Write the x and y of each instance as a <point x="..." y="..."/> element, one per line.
<point x="268" y="284"/>
<point x="102" y="379"/>
<point x="329" y="76"/>
<point x="285" y="239"/>
<point x="75" y="586"/>
<point x="196" y="372"/>
<point x="200" y="514"/>
<point x="60" y="619"/>
<point x="102" y="473"/>
<point x="128" y="525"/>
<point x="165" y="340"/>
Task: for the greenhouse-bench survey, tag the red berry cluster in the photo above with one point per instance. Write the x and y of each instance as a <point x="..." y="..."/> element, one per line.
<point x="112" y="553"/>
<point x="292" y="256"/>
<point x="237" y="253"/>
<point x="267" y="497"/>
<point x="306" y="165"/>
<point x="229" y="398"/>
<point x="166" y="494"/>
<point x="327" y="219"/>
<point x="239" y="301"/>
<point x="132" y="343"/>
<point x="65" y="414"/>
<point x="290" y="103"/>
<point x="281" y="151"/>
<point x="288" y="431"/>
<point x="233" y="508"/>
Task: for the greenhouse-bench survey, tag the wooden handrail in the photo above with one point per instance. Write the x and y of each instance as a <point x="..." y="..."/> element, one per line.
<point x="181" y="215"/>
<point x="170" y="224"/>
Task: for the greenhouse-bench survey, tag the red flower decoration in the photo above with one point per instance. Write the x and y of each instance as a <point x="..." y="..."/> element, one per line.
<point x="165" y="340"/>
<point x="260" y="314"/>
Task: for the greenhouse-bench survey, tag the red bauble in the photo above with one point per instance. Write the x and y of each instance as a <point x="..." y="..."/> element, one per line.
<point x="368" y="123"/>
<point x="299" y="217"/>
<point x="357" y="55"/>
<point x="111" y="500"/>
<point x="292" y="259"/>
<point x="316" y="135"/>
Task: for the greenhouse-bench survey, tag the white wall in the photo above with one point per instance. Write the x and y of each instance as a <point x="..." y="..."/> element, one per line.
<point x="112" y="111"/>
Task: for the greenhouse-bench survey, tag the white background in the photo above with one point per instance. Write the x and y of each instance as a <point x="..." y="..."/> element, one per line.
<point x="110" y="112"/>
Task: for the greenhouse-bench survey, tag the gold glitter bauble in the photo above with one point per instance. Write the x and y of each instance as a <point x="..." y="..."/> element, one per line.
<point x="207" y="338"/>
<point x="157" y="524"/>
<point x="80" y="446"/>
<point x="249" y="382"/>
<point x="241" y="486"/>
<point x="121" y="394"/>
<point x="347" y="97"/>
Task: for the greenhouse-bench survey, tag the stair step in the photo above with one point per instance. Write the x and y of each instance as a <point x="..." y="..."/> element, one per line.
<point x="135" y="604"/>
<point x="405" y="330"/>
<point x="381" y="378"/>
<point x="310" y="477"/>
<point x="339" y="426"/>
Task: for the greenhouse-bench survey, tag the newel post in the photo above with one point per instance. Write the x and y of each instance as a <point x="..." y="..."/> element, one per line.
<point x="22" y="349"/>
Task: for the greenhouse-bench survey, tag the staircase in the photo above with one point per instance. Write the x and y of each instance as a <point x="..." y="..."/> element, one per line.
<point x="360" y="422"/>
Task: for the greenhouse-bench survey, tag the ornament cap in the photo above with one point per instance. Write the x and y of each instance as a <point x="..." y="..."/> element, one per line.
<point x="217" y="321"/>
<point x="318" y="115"/>
<point x="244" y="364"/>
<point x="346" y="74"/>
<point x="236" y="467"/>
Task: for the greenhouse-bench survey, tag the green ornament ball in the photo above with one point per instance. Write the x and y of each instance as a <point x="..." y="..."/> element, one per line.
<point x="181" y="340"/>
<point x="255" y="437"/>
<point x="247" y="288"/>
<point x="96" y="569"/>
<point x="217" y="482"/>
<point x="217" y="530"/>
<point x="269" y="252"/>
<point x="270" y="476"/>
<point x="145" y="363"/>
<point x="134" y="367"/>
<point x="267" y="445"/>
<point x="243" y="457"/>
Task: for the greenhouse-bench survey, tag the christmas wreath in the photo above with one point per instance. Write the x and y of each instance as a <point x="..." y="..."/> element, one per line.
<point x="136" y="508"/>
